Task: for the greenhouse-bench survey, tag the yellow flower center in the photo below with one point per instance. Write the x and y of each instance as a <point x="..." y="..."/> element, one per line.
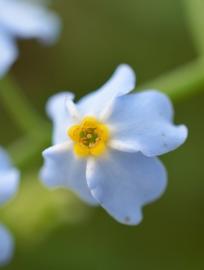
<point x="90" y="137"/>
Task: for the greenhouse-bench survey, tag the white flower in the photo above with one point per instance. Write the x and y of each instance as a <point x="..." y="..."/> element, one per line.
<point x="106" y="146"/>
<point x="9" y="181"/>
<point x="21" y="19"/>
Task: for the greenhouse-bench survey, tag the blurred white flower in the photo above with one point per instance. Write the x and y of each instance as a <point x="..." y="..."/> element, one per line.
<point x="9" y="181"/>
<point x="21" y="19"/>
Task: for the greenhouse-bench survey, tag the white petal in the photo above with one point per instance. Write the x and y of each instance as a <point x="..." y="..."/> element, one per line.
<point x="57" y="111"/>
<point x="6" y="246"/>
<point x="143" y="122"/>
<point x="124" y="182"/>
<point x="8" y="52"/>
<point x="121" y="83"/>
<point x="72" y="110"/>
<point x="28" y="20"/>
<point x="63" y="169"/>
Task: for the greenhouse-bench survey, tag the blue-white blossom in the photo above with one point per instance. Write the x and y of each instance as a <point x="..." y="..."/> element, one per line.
<point x="6" y="245"/>
<point x="23" y="19"/>
<point x="105" y="146"/>
<point x="9" y="181"/>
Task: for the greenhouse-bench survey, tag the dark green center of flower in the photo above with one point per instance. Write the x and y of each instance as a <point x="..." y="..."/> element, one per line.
<point x="89" y="137"/>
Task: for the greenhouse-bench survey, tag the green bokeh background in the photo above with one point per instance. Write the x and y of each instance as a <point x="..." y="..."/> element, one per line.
<point x="54" y="230"/>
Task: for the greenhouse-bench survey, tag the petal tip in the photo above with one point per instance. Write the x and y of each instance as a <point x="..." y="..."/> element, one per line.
<point x="184" y="132"/>
<point x="133" y="221"/>
<point x="46" y="153"/>
<point x="57" y="101"/>
<point x="125" y="68"/>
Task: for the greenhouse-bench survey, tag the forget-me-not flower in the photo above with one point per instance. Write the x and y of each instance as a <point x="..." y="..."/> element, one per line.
<point x="9" y="181"/>
<point x="21" y="19"/>
<point x="106" y="146"/>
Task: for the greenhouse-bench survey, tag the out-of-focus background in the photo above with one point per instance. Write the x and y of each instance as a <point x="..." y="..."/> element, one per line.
<point x="54" y="230"/>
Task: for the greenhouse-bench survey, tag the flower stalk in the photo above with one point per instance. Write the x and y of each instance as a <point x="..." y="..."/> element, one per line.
<point x="19" y="108"/>
<point x="183" y="82"/>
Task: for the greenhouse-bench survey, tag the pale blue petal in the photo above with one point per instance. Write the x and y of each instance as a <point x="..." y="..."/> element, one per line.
<point x="9" y="178"/>
<point x="121" y="83"/>
<point x="6" y="246"/>
<point x="9" y="181"/>
<point x="5" y="162"/>
<point x="63" y="169"/>
<point x="124" y="182"/>
<point x="57" y="111"/>
<point x="143" y="122"/>
<point x="8" y="52"/>
<point x="28" y="20"/>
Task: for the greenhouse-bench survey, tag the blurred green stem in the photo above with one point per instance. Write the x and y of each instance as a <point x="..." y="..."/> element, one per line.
<point x="26" y="150"/>
<point x="18" y="106"/>
<point x="36" y="129"/>
<point x="194" y="10"/>
<point x="180" y="83"/>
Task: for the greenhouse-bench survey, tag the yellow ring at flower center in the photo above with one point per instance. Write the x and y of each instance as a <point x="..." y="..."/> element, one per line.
<point x="90" y="137"/>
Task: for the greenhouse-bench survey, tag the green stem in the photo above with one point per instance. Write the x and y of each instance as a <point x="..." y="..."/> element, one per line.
<point x="26" y="150"/>
<point x="183" y="82"/>
<point x="18" y="106"/>
<point x="194" y="10"/>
